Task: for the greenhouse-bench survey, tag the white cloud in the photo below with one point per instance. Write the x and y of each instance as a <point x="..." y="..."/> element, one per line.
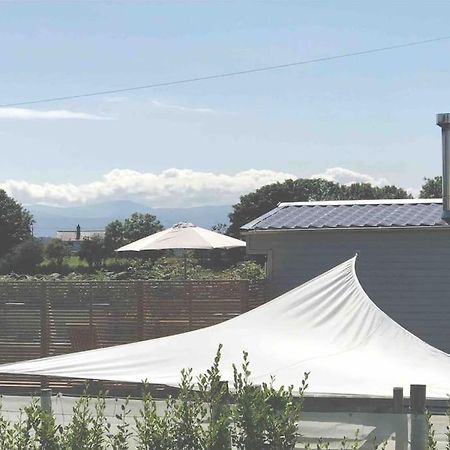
<point x="56" y="114"/>
<point x="172" y="187"/>
<point x="180" y="108"/>
<point x="169" y="188"/>
<point x="347" y="176"/>
<point x="414" y="191"/>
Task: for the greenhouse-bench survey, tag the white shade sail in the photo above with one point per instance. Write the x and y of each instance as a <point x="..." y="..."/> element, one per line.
<point x="328" y="327"/>
<point x="183" y="236"/>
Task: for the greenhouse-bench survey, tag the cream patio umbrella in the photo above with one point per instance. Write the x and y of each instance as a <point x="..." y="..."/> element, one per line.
<point x="183" y="236"/>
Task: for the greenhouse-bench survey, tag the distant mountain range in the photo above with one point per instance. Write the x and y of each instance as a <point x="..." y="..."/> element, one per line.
<point x="49" y="219"/>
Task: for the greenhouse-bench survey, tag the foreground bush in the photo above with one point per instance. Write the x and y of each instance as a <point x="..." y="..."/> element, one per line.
<point x="204" y="416"/>
<point x="200" y="418"/>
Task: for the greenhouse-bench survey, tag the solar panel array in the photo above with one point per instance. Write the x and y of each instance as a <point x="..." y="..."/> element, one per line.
<point x="350" y="216"/>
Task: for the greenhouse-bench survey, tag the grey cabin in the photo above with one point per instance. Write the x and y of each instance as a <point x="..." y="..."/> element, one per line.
<point x="403" y="249"/>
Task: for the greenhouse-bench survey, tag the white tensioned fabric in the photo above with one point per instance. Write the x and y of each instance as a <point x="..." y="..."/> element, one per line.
<point x="328" y="327"/>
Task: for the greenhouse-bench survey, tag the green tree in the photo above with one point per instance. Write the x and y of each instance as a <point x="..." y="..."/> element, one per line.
<point x="264" y="199"/>
<point x="431" y="188"/>
<point x="15" y="223"/>
<point x="365" y="191"/>
<point x="93" y="251"/>
<point x="55" y="251"/>
<point x="23" y="258"/>
<point x="137" y="226"/>
<point x="114" y="236"/>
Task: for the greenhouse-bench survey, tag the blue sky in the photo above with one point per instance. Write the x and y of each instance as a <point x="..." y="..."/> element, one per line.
<point x="369" y="117"/>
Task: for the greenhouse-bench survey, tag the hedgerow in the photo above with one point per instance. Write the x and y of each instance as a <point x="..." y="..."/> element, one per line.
<point x="203" y="416"/>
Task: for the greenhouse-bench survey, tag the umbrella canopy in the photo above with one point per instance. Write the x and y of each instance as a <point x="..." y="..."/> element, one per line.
<point x="183" y="236"/>
<point x="328" y="326"/>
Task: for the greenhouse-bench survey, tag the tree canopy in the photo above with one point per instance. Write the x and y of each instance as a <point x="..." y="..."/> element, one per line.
<point x="15" y="223"/>
<point x="432" y="188"/>
<point x="23" y="258"/>
<point x="264" y="199"/>
<point x="137" y="226"/>
<point x="55" y="251"/>
<point x="93" y="251"/>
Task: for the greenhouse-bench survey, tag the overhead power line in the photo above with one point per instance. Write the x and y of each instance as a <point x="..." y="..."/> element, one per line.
<point x="225" y="74"/>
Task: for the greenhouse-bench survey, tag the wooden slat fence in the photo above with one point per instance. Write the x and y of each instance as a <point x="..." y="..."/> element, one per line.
<point x="35" y="317"/>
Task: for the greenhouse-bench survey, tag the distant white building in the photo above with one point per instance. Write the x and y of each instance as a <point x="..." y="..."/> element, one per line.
<point x="73" y="238"/>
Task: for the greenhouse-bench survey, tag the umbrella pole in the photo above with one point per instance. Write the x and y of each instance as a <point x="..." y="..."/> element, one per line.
<point x="185" y="265"/>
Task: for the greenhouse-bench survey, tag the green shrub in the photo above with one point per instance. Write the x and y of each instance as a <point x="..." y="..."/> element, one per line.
<point x="204" y="416"/>
<point x="89" y="428"/>
<point x="93" y="251"/>
<point x="264" y="417"/>
<point x="74" y="267"/>
<point x="6" y="433"/>
<point x="120" y="440"/>
<point x="246" y="270"/>
<point x="153" y="431"/>
<point x="56" y="250"/>
<point x="23" y="258"/>
<point x="214" y="394"/>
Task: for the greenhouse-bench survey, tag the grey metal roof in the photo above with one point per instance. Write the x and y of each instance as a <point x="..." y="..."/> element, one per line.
<point x="348" y="214"/>
<point x="71" y="235"/>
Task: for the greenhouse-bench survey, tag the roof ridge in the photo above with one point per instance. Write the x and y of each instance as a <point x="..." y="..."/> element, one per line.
<point x="406" y="201"/>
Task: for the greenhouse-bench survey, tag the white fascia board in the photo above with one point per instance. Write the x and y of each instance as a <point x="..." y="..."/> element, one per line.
<point x="407" y="201"/>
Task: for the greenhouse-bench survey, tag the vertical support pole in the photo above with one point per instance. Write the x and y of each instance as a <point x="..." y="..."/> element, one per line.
<point x="45" y="328"/>
<point x="91" y="311"/>
<point x="244" y="291"/>
<point x="46" y="400"/>
<point x="140" y="312"/>
<point x="419" y="430"/>
<point x="398" y="400"/>
<point x="401" y="421"/>
<point x="188" y="294"/>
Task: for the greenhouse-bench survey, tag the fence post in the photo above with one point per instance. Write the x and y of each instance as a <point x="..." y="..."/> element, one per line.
<point x="419" y="430"/>
<point x="401" y="421"/>
<point x="46" y="400"/>
<point x="45" y="322"/>
<point x="398" y="400"/>
<point x="188" y="295"/>
<point x="244" y="292"/>
<point x="45" y="327"/>
<point x="91" y="310"/>
<point x="140" y="311"/>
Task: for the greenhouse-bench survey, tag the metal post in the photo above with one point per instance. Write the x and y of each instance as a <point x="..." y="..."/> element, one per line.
<point x="443" y="120"/>
<point x="188" y="296"/>
<point x="44" y="327"/>
<point x="401" y="422"/>
<point x="244" y="291"/>
<point x="398" y="400"/>
<point x="46" y="400"/>
<point x="419" y="430"/>
<point x="140" y="311"/>
<point x="91" y="308"/>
